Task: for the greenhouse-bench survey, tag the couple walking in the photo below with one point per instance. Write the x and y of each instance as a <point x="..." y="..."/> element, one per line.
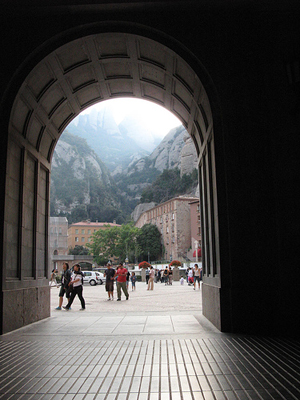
<point x="71" y="285"/>
<point x="111" y="275"/>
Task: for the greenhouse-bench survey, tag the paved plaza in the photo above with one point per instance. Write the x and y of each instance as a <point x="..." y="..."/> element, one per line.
<point x="155" y="346"/>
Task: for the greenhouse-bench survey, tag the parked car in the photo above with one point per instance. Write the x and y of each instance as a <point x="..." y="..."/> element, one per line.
<point x="93" y="278"/>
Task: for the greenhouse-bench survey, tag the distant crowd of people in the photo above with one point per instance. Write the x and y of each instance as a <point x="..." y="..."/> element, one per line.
<point x="72" y="281"/>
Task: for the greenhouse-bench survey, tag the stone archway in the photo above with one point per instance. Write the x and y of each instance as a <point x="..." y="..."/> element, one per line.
<point x="76" y="75"/>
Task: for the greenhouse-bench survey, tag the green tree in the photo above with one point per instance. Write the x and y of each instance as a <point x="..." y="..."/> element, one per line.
<point x="117" y="241"/>
<point x="169" y="184"/>
<point x="149" y="240"/>
<point x="79" y="251"/>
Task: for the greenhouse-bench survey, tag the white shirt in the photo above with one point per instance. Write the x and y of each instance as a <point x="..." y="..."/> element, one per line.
<point x="191" y="273"/>
<point x="76" y="279"/>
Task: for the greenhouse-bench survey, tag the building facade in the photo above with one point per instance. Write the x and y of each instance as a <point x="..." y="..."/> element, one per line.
<point x="58" y="240"/>
<point x="58" y="235"/>
<point x="173" y="220"/>
<point x="196" y="244"/>
<point x="80" y="234"/>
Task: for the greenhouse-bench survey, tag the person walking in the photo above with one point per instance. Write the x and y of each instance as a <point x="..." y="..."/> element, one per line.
<point x="166" y="275"/>
<point x="133" y="280"/>
<point x="65" y="288"/>
<point x="151" y="278"/>
<point x="127" y="279"/>
<point x="147" y="275"/>
<point x="159" y="276"/>
<point x="77" y="287"/>
<point x="191" y="276"/>
<point x="170" y="275"/>
<point x="109" y="274"/>
<point x="53" y="278"/>
<point x="197" y="276"/>
<point x="121" y="282"/>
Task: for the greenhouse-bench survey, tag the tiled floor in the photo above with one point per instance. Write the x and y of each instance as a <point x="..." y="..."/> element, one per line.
<point x="210" y="368"/>
<point x="139" y="355"/>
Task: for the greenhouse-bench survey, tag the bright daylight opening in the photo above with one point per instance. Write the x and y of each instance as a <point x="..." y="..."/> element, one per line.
<point x="126" y="166"/>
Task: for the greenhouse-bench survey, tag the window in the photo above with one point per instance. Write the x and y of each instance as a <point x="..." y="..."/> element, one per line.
<point x="89" y="239"/>
<point x="89" y="231"/>
<point x="60" y="231"/>
<point x="167" y="229"/>
<point x="76" y="239"/>
<point x="76" y="231"/>
<point x="82" y="239"/>
<point x="173" y="216"/>
<point x="51" y="231"/>
<point x="82" y="231"/>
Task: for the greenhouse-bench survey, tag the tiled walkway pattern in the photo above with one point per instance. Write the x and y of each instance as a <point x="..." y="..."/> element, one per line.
<point x="221" y="367"/>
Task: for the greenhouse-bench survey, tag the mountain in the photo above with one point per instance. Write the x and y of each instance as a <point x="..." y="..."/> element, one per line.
<point x="117" y="146"/>
<point x="176" y="150"/>
<point x="81" y="185"/>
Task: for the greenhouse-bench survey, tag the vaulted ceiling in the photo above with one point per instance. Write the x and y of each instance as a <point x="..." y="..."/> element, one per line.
<point x="101" y="67"/>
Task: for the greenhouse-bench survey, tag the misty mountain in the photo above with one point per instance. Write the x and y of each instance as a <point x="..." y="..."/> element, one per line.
<point x="81" y="185"/>
<point x="117" y="146"/>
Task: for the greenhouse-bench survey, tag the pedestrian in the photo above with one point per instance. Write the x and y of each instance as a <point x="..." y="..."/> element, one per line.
<point x="121" y="282"/>
<point x="166" y="275"/>
<point x="187" y="274"/>
<point x="147" y="275"/>
<point x="109" y="274"/>
<point x="159" y="276"/>
<point x="65" y="288"/>
<point x="53" y="278"/>
<point x="170" y="275"/>
<point x="197" y="276"/>
<point x="133" y="280"/>
<point x="191" y="276"/>
<point x="181" y="281"/>
<point x="151" y="278"/>
<point x="127" y="279"/>
<point x="77" y="287"/>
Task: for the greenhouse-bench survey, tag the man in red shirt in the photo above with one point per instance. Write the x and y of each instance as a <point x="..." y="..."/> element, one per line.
<point x="121" y="282"/>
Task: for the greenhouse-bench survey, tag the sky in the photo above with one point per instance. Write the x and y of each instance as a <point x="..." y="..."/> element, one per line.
<point x="157" y="119"/>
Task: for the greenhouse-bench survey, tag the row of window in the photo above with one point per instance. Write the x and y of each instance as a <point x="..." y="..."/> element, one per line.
<point x="89" y="231"/>
<point x="89" y="239"/>
<point x="55" y="231"/>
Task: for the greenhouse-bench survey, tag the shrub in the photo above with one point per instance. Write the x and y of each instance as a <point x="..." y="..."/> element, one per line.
<point x="144" y="264"/>
<point x="175" y="263"/>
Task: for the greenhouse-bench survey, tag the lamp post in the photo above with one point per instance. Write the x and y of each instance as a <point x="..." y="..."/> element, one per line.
<point x="196" y="248"/>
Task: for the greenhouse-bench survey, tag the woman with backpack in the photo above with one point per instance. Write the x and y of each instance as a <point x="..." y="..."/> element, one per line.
<point x="77" y="287"/>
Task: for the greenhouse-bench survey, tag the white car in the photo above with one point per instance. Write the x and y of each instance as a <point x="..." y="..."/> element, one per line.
<point x="93" y="278"/>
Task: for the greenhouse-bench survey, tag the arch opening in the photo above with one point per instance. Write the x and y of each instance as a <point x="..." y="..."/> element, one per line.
<point x="83" y="72"/>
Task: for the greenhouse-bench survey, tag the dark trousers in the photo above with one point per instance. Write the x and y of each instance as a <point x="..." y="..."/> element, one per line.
<point x="76" y="290"/>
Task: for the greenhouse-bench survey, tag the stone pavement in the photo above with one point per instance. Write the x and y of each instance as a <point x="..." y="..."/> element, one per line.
<point x="155" y="346"/>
